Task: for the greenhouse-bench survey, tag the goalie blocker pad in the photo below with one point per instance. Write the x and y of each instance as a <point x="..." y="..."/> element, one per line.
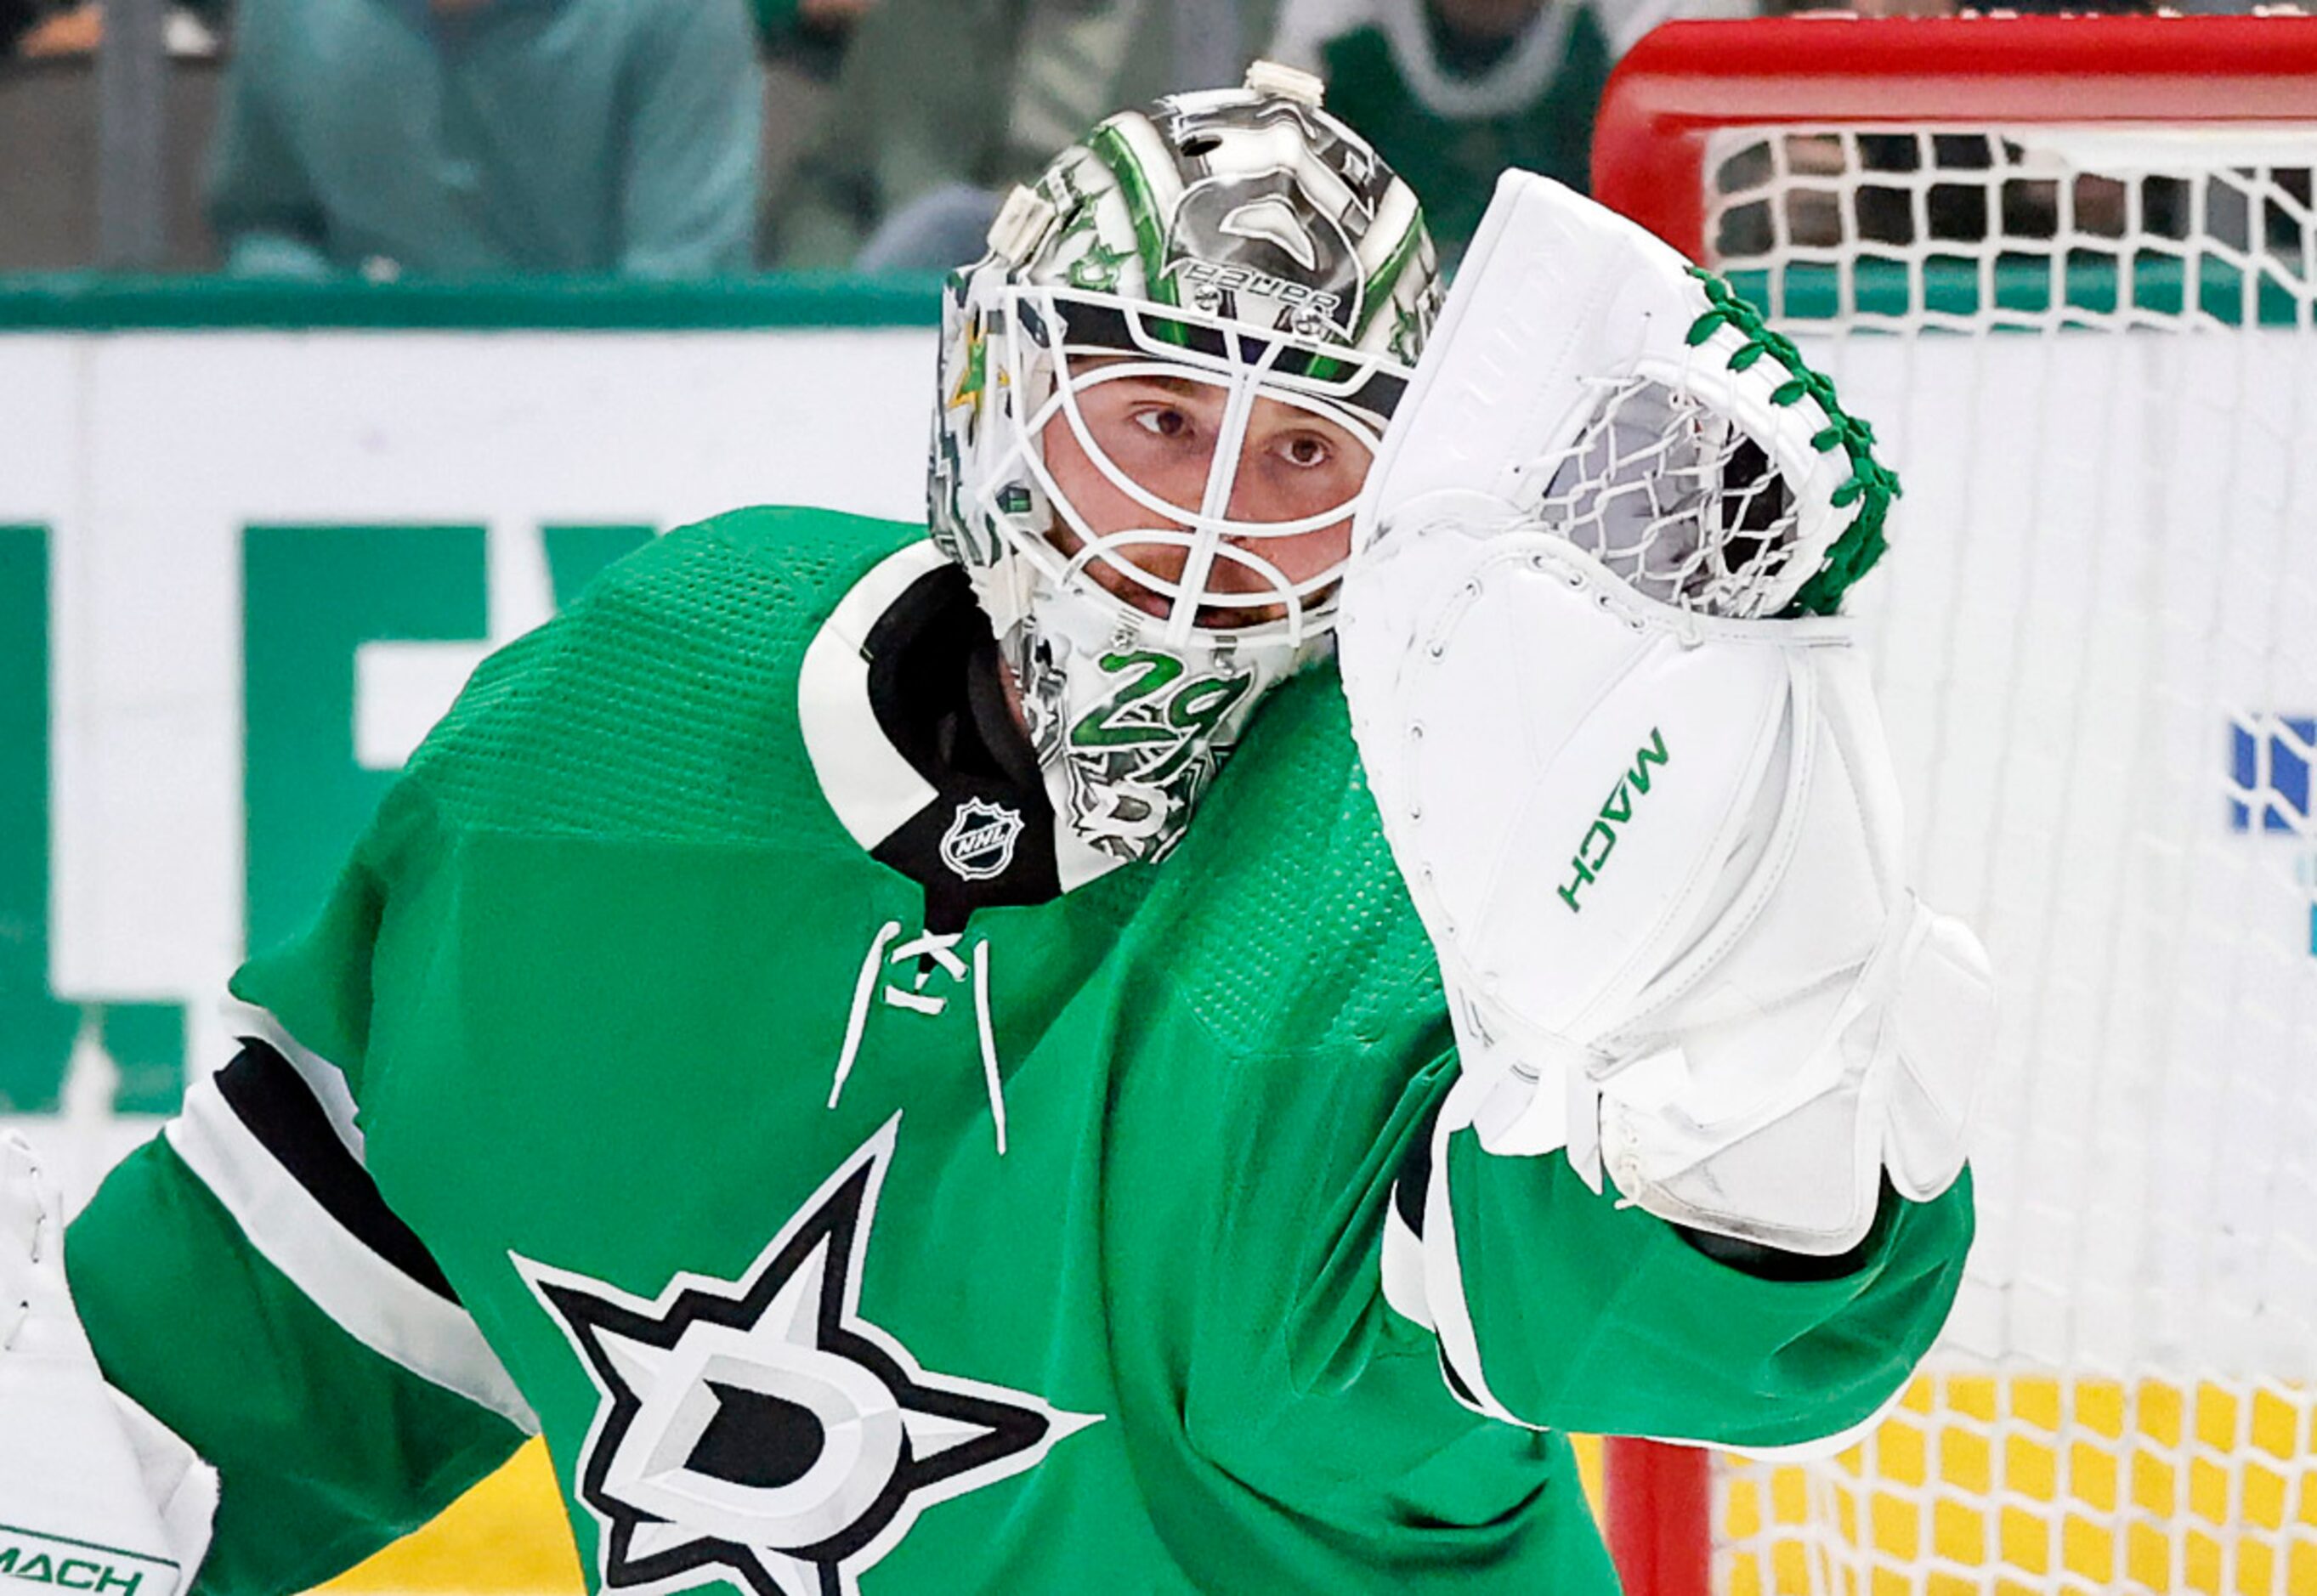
<point x="95" y="1494"/>
<point x="1656" y="849"/>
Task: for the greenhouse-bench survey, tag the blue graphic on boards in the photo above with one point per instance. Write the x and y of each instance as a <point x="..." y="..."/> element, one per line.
<point x="2284" y="797"/>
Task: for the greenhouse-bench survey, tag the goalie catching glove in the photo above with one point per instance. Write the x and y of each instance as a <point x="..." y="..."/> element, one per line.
<point x="1627" y="758"/>
<point x="93" y="1488"/>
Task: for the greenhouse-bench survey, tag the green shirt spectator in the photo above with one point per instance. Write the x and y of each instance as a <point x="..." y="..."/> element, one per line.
<point x="1452" y="91"/>
<point x="945" y="99"/>
<point x="475" y="136"/>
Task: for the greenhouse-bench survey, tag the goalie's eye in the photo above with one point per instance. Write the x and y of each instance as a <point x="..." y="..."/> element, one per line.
<point x="1306" y="451"/>
<point x="1164" y="421"/>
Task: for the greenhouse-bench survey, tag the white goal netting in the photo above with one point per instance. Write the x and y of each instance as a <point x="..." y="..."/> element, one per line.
<point x="2089" y="354"/>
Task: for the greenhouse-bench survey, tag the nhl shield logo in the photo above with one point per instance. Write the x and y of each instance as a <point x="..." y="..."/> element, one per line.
<point x="980" y="843"/>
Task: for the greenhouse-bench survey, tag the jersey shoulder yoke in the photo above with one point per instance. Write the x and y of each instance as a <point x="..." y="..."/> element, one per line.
<point x="663" y="703"/>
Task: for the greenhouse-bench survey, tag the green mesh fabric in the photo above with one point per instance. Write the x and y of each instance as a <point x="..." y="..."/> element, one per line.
<point x="664" y="705"/>
<point x="1317" y="939"/>
<point x="599" y="727"/>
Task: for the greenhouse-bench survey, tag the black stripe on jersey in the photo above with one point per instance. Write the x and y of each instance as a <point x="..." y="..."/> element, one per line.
<point x="1770" y="1264"/>
<point x="1410" y="1186"/>
<point x="267" y="1095"/>
<point x="1456" y="1385"/>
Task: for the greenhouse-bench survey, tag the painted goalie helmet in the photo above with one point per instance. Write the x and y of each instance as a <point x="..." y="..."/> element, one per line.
<point x="1159" y="396"/>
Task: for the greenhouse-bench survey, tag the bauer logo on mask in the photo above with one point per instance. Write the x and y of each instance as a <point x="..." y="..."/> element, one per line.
<point x="1239" y="241"/>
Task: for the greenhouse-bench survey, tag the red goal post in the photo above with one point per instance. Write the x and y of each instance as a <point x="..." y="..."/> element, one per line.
<point x="1684" y="80"/>
<point x="1662" y="155"/>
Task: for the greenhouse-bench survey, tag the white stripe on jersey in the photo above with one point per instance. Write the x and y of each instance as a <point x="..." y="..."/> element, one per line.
<point x="1403" y="1268"/>
<point x="364" y="1295"/>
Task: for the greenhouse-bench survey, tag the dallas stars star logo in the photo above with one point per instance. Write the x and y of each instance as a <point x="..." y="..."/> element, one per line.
<point x="760" y="1430"/>
<point x="973" y="375"/>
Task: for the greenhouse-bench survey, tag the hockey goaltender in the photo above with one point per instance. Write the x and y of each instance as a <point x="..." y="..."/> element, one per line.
<point x="1335" y="921"/>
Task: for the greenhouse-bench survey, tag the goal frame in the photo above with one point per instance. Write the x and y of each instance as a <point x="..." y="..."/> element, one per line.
<point x="1686" y="81"/>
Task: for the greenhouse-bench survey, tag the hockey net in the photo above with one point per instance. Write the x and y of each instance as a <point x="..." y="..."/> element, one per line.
<point x="2068" y="267"/>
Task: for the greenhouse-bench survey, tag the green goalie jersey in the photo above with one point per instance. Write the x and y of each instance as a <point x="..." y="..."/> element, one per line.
<point x="709" y="1059"/>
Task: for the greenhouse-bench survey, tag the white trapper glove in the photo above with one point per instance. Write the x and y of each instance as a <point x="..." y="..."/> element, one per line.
<point x="88" y="1478"/>
<point x="1643" y="806"/>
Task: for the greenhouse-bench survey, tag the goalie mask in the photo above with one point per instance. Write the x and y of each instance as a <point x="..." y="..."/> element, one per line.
<point x="1159" y="396"/>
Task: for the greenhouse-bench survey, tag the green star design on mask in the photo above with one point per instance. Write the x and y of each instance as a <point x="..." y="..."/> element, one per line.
<point x="974" y="379"/>
<point x="1098" y="268"/>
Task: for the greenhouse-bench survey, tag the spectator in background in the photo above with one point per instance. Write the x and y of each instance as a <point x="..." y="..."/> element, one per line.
<point x="942" y="105"/>
<point x="1452" y="91"/>
<point x="475" y="136"/>
<point x="945" y="103"/>
<point x="43" y="29"/>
